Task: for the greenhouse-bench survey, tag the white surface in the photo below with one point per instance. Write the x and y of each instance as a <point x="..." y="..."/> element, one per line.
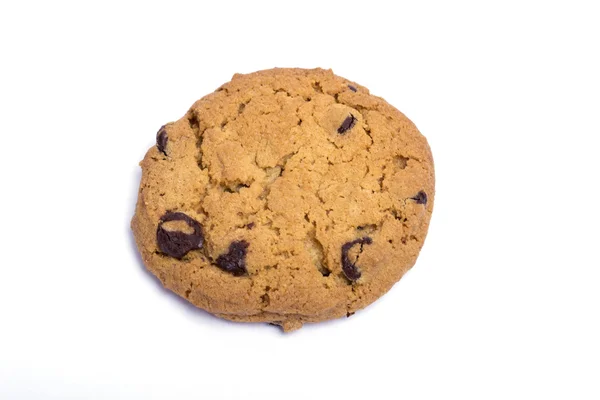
<point x="504" y="301"/>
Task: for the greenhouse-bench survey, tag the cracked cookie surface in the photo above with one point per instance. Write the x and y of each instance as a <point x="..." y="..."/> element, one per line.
<point x="286" y="196"/>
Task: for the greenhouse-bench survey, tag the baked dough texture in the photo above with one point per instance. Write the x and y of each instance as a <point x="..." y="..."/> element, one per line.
<point x="286" y="196"/>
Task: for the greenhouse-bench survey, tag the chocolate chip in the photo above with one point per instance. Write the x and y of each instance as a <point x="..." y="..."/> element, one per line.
<point x="175" y="243"/>
<point x="420" y="198"/>
<point x="348" y="267"/>
<point x="250" y="225"/>
<point x="352" y="88"/>
<point x="347" y="124"/>
<point x="161" y="140"/>
<point x="234" y="261"/>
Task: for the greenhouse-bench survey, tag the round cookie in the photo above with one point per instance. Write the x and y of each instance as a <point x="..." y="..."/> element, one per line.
<point x="286" y="196"/>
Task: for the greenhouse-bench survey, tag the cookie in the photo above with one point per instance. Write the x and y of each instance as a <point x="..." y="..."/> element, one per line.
<point x="286" y="196"/>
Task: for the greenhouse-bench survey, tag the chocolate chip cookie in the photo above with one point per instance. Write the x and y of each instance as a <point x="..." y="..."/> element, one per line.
<point x="286" y="196"/>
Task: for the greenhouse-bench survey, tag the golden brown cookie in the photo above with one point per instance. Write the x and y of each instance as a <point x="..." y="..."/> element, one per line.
<point x="286" y="196"/>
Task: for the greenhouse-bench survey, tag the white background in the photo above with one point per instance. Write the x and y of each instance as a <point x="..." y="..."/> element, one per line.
<point x="504" y="301"/>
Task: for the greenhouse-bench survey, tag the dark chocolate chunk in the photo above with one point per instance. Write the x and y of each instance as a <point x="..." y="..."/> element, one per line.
<point x="161" y="140"/>
<point x="420" y="198"/>
<point x="234" y="261"/>
<point x="175" y="243"/>
<point x="349" y="267"/>
<point x="347" y="124"/>
<point x="352" y="88"/>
